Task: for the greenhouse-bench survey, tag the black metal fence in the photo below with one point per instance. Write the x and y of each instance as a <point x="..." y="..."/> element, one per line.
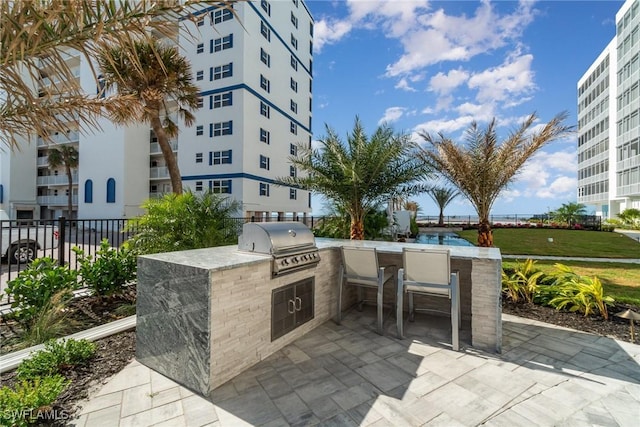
<point x="516" y="220"/>
<point x="24" y="240"/>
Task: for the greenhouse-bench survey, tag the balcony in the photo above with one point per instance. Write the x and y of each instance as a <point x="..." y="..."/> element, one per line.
<point x="56" y="179"/>
<point x="72" y="136"/>
<point x="159" y="172"/>
<point x="154" y="147"/>
<point x="57" y="200"/>
<point x="43" y="161"/>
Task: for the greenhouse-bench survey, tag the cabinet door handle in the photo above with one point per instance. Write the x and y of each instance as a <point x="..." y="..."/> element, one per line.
<point x="298" y="304"/>
<point x="291" y="306"/>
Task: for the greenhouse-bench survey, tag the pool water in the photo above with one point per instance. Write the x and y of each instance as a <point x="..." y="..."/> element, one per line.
<point x="449" y="239"/>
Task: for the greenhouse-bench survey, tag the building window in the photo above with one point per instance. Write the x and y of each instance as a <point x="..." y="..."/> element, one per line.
<point x="265" y="110"/>
<point x="265" y="136"/>
<point x="111" y="190"/>
<point x="221" y="71"/>
<point x="198" y="185"/>
<point x="293" y="194"/>
<point x="221" y="100"/>
<point x="292" y="171"/>
<point x="200" y="48"/>
<point x="264" y="189"/>
<point x="295" y="2"/>
<point x="294" y="106"/>
<point x="199" y="157"/>
<point x="293" y="128"/>
<point x="221" y="128"/>
<point x="199" y="130"/>
<point x="221" y="15"/>
<point x="221" y="43"/>
<point x="293" y="149"/>
<point x="294" y="20"/>
<point x="200" y="75"/>
<point x="265" y="31"/>
<point x="88" y="191"/>
<point x="199" y="102"/>
<point x="220" y="157"/>
<point x="264" y="162"/>
<point x="265" y="57"/>
<point x="294" y="63"/>
<point x="294" y="85"/>
<point x="311" y="29"/>
<point x="266" y="6"/>
<point x="265" y="83"/>
<point x="310" y="104"/>
<point x="294" y="42"/>
<point x="311" y="47"/>
<point x="200" y="22"/>
<point x="222" y="186"/>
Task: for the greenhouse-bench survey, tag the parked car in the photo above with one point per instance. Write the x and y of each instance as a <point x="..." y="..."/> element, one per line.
<point x="20" y="241"/>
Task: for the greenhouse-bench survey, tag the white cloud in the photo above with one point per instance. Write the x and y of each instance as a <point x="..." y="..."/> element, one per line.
<point x="440" y="37"/>
<point x="445" y="83"/>
<point x="445" y="126"/>
<point x="562" y="187"/>
<point x="505" y="82"/>
<point x="329" y="31"/>
<point x="403" y="84"/>
<point x="392" y="114"/>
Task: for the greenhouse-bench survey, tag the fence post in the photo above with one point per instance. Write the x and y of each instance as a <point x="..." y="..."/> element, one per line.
<point x="61" y="236"/>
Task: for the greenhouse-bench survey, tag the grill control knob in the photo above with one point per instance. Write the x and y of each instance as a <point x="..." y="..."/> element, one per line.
<point x="284" y="262"/>
<point x="294" y="259"/>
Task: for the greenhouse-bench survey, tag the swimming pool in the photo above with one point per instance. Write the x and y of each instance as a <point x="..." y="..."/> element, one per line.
<point x="446" y="238"/>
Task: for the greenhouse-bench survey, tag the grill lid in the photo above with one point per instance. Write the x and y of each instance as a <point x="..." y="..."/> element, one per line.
<point x="276" y="237"/>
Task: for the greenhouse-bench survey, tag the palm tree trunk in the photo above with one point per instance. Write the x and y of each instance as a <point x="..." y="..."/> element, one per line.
<point x="485" y="236"/>
<point x="357" y="230"/>
<point x="70" y="189"/>
<point x="167" y="152"/>
<point x="441" y="218"/>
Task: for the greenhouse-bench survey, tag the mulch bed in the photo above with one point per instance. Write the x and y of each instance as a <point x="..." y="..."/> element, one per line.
<point x="615" y="327"/>
<point x="115" y="352"/>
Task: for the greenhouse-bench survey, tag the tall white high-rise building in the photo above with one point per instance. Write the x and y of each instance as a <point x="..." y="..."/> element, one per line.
<point x="254" y="71"/>
<point x="608" y="121"/>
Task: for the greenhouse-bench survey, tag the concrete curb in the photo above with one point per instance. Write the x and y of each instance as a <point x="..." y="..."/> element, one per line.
<point x="12" y="360"/>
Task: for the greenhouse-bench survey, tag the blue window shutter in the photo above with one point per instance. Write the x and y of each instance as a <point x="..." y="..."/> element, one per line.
<point x="1" y="193"/>
<point x="231" y="68"/>
<point x="88" y="191"/>
<point x="211" y="46"/>
<point x="230" y="186"/>
<point x="231" y="40"/>
<point x="230" y="127"/>
<point x="211" y="74"/>
<point x="210" y="102"/>
<point x="210" y="130"/>
<point x="230" y="156"/>
<point x="111" y="190"/>
<point x="210" y="159"/>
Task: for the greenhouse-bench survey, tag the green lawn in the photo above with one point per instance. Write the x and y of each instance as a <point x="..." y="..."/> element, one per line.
<point x="579" y="243"/>
<point x="621" y="281"/>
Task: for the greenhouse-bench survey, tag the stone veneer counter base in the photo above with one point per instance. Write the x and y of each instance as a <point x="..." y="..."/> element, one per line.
<point x="204" y="316"/>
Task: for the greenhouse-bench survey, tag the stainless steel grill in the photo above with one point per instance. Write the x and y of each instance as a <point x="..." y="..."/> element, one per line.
<point x="291" y="245"/>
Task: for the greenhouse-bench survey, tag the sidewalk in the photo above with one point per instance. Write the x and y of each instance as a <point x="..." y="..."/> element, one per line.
<point x="570" y="258"/>
<point x="350" y="376"/>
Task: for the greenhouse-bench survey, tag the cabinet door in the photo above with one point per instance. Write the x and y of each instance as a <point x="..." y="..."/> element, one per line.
<point x="282" y="312"/>
<point x="304" y="302"/>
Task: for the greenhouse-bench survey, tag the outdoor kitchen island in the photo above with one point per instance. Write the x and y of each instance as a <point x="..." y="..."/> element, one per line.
<point x="205" y="315"/>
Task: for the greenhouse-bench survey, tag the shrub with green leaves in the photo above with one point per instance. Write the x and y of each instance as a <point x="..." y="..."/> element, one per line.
<point x="56" y="357"/>
<point x="28" y="401"/>
<point x="579" y="293"/>
<point x="34" y="286"/>
<point x="110" y="269"/>
<point x="523" y="282"/>
<point x="185" y="221"/>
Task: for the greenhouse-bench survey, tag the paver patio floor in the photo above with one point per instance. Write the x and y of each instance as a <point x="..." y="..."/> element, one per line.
<point x="348" y="375"/>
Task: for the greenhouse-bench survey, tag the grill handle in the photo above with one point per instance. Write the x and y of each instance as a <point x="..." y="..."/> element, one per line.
<point x="298" y="304"/>
<point x="291" y="306"/>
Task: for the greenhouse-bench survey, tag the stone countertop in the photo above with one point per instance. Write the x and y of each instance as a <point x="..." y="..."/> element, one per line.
<point x="396" y="247"/>
<point x="227" y="257"/>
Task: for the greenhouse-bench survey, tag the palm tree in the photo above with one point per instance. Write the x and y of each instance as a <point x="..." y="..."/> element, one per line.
<point x="361" y="174"/>
<point x="442" y="196"/>
<point x="482" y="168"/>
<point x="37" y="39"/>
<point x="569" y="212"/>
<point x="630" y="216"/>
<point x="67" y="156"/>
<point x="164" y="76"/>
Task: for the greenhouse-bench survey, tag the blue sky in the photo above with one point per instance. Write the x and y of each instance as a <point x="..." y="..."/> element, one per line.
<point x="436" y="66"/>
